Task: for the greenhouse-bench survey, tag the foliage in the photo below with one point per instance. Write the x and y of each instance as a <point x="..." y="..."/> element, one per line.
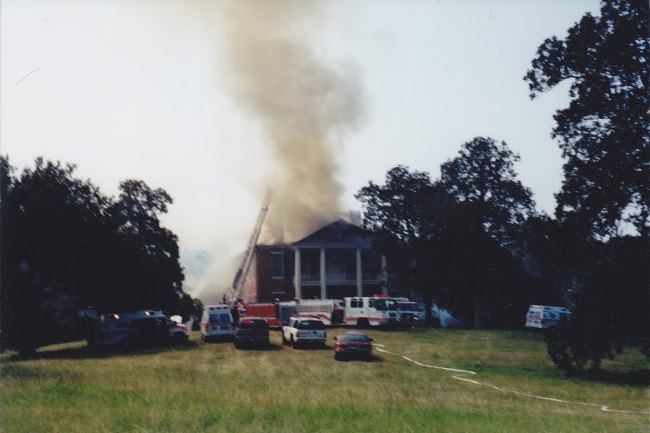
<point x="402" y="213"/>
<point x="605" y="141"/>
<point x="191" y="308"/>
<point x="482" y="176"/>
<point x="604" y="131"/>
<point x="436" y="247"/>
<point x="66" y="246"/>
<point x="611" y="308"/>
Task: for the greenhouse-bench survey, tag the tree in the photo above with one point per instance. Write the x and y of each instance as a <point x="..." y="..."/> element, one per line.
<point x="149" y="274"/>
<point x="401" y="213"/>
<point x="483" y="178"/>
<point x="603" y="133"/>
<point x="66" y="246"/>
<point x="610" y="309"/>
<point x="50" y="237"/>
<point x="436" y="249"/>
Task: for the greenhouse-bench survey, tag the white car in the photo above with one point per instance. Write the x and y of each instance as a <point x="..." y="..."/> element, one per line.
<point x="304" y="330"/>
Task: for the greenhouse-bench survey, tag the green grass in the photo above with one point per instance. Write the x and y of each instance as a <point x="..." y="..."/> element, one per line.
<point x="212" y="387"/>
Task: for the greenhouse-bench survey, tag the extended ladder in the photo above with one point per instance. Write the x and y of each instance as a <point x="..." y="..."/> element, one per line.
<point x="247" y="258"/>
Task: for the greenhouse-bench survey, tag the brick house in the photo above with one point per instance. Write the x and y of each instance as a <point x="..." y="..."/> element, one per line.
<point x="335" y="261"/>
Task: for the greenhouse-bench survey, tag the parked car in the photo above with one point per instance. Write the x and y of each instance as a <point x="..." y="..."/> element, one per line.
<point x="353" y="344"/>
<point x="140" y="327"/>
<point x="252" y="331"/>
<point x="304" y="330"/>
<point x="178" y="331"/>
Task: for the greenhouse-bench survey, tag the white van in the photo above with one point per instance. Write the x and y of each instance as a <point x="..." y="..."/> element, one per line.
<point x="217" y="322"/>
<point x="544" y="316"/>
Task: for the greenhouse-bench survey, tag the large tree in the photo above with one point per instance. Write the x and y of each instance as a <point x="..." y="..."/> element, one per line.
<point x="482" y="177"/>
<point x="151" y="275"/>
<point x="605" y="139"/>
<point x="604" y="132"/>
<point x="65" y="246"/>
<point x="402" y="213"/>
<point x="435" y="247"/>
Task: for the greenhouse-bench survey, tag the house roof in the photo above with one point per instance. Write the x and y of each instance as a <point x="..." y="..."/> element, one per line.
<point x="339" y="233"/>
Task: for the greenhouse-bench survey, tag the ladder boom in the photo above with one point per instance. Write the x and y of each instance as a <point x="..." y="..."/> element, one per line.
<point x="247" y="258"/>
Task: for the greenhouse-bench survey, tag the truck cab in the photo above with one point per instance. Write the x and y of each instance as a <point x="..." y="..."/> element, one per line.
<point x="371" y="311"/>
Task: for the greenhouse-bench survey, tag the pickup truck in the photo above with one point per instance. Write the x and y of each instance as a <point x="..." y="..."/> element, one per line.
<point x="304" y="330"/>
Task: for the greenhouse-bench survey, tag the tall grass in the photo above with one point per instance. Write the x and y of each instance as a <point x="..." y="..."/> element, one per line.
<point x="212" y="387"/>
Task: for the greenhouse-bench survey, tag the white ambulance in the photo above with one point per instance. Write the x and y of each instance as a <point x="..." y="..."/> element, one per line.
<point x="217" y="322"/>
<point x="544" y="316"/>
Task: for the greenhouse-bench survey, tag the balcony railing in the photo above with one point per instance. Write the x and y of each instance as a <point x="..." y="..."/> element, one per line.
<point x="340" y="278"/>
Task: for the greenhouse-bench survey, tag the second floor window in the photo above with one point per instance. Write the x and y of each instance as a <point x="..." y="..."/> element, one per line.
<point x="277" y="266"/>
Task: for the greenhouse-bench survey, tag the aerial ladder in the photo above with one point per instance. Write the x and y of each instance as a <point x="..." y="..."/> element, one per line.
<point x="247" y="258"/>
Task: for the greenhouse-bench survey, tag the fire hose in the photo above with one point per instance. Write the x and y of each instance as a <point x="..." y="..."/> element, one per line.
<point x="462" y="375"/>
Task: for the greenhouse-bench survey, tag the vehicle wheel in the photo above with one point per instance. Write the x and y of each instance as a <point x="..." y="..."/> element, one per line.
<point x="293" y="343"/>
<point x="338" y="357"/>
<point x="284" y="340"/>
<point x="363" y="323"/>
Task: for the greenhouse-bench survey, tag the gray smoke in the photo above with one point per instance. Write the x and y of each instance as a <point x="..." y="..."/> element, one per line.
<point x="303" y="106"/>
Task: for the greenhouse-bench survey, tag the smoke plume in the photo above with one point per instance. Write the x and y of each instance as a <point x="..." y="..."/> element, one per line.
<point x="303" y="106"/>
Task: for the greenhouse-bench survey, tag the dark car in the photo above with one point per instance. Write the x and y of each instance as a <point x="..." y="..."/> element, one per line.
<point x="252" y="331"/>
<point x="353" y="344"/>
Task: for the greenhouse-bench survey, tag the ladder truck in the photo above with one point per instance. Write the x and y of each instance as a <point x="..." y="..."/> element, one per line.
<point x="249" y="254"/>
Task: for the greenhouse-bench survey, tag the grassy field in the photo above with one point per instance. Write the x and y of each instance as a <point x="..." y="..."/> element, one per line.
<point x="212" y="387"/>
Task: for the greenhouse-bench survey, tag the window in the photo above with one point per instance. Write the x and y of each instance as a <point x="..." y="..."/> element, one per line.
<point x="371" y="303"/>
<point x="354" y="303"/>
<point x="312" y="324"/>
<point x="277" y="266"/>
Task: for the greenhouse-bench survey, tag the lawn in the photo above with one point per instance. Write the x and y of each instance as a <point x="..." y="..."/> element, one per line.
<point x="212" y="387"/>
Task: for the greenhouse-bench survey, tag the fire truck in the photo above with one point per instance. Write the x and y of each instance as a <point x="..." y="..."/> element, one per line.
<point x="364" y="311"/>
<point x="276" y="314"/>
<point x="370" y="311"/>
<point x="329" y="311"/>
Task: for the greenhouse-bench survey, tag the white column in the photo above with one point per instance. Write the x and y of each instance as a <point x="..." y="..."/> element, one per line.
<point x="323" y="275"/>
<point x="297" y="274"/>
<point x="359" y="274"/>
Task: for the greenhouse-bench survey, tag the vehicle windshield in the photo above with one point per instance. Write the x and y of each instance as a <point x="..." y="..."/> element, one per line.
<point x="353" y="337"/>
<point x="408" y="306"/>
<point x="386" y="304"/>
<point x="312" y="324"/>
<point x="219" y="318"/>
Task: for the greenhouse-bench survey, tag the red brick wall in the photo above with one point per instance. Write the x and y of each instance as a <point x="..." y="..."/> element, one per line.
<point x="266" y="284"/>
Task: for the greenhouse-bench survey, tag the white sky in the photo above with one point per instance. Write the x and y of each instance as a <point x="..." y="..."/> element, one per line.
<point x="135" y="89"/>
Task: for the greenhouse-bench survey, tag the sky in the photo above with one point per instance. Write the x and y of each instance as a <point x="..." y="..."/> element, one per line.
<point x="151" y="90"/>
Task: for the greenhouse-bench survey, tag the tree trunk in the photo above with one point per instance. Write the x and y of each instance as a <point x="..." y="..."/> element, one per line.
<point x="478" y="314"/>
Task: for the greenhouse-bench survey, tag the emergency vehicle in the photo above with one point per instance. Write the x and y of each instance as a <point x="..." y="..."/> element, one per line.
<point x="276" y="314"/>
<point x="145" y="326"/>
<point x="408" y="313"/>
<point x="370" y="311"/>
<point x="544" y="316"/>
<point x="217" y="322"/>
<point x="329" y="311"/>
